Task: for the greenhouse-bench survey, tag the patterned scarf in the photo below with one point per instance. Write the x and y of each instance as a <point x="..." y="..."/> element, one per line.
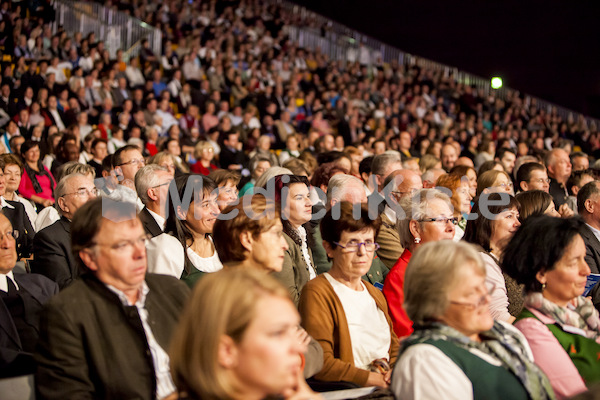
<point x="582" y="315"/>
<point x="500" y="343"/>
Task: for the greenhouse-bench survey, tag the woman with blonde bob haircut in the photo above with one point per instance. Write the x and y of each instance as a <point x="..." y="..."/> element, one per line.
<point x="475" y="357"/>
<point x="246" y="348"/>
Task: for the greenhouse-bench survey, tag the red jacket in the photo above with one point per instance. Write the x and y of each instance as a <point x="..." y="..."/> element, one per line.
<point x="393" y="290"/>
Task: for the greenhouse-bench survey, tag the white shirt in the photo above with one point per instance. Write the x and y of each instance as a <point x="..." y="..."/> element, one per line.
<point x="59" y="122"/>
<point x="4" y="283"/>
<point x="4" y="203"/>
<point x="369" y="331"/>
<point x="205" y="264"/>
<point x="391" y="214"/>
<point x="311" y="269"/>
<point x="46" y="217"/>
<point x="160" y="358"/>
<point x="165" y="255"/>
<point x="29" y="209"/>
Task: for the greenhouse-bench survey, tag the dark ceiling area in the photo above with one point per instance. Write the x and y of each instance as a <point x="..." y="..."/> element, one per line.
<point x="548" y="49"/>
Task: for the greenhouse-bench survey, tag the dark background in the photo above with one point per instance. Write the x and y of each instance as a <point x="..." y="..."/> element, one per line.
<point x="548" y="49"/>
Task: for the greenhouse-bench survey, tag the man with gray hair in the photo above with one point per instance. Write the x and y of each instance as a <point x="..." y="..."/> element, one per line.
<point x="588" y="206"/>
<point x="431" y="176"/>
<point x="382" y="165"/>
<point x="152" y="186"/>
<point x="342" y="187"/>
<point x="52" y="245"/>
<point x="401" y="183"/>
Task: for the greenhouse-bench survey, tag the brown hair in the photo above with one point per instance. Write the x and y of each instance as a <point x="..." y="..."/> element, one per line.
<point x="223" y="176"/>
<point x="227" y="231"/>
<point x="332" y="227"/>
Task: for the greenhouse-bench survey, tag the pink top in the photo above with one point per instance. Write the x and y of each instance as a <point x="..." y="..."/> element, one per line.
<point x="549" y="355"/>
<point x="47" y="184"/>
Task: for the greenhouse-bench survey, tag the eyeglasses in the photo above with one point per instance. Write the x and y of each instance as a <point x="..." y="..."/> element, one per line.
<point x="409" y="192"/>
<point x="162" y="184"/>
<point x="505" y="185"/>
<point x="441" y="220"/>
<point x="14" y="234"/>
<point x="83" y="192"/>
<point x="540" y="180"/>
<point x="125" y="246"/>
<point x="135" y="161"/>
<point x="482" y="300"/>
<point x="353" y="247"/>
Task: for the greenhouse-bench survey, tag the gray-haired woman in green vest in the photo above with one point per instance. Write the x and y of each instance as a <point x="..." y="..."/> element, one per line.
<point x="457" y="351"/>
<point x="548" y="256"/>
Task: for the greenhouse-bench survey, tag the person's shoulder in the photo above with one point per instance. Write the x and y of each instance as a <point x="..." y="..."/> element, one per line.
<point x="37" y="280"/>
<point x="165" y="283"/>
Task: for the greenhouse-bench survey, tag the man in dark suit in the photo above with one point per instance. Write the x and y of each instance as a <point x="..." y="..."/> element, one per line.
<point x="588" y="206"/>
<point x="231" y="156"/>
<point x="52" y="245"/>
<point x="106" y="336"/>
<point x="152" y="187"/>
<point x="23" y="296"/>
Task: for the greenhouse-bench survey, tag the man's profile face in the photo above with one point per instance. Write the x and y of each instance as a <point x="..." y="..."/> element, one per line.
<point x="131" y="162"/>
<point x="8" y="247"/>
<point x="119" y="257"/>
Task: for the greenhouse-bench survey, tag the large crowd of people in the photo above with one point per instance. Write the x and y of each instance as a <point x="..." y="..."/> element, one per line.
<point x="238" y="217"/>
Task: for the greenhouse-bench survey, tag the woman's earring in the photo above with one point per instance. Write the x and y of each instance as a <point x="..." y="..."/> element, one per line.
<point x="417" y="240"/>
<point x="543" y="287"/>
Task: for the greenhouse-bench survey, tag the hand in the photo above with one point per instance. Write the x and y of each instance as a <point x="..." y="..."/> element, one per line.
<point x="300" y="390"/>
<point x="376" y="379"/>
<point x="565" y="211"/>
<point x="387" y="377"/>
<point x="303" y="338"/>
<point x="47" y="203"/>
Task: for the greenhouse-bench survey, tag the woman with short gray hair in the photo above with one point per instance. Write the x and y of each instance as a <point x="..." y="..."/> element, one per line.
<point x="427" y="217"/>
<point x="474" y="357"/>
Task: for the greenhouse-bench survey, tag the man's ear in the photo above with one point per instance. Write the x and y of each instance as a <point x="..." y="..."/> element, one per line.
<point x="151" y="194"/>
<point x="62" y="205"/>
<point x="524" y="186"/>
<point x="87" y="256"/>
<point x="589" y="206"/>
<point x="227" y="352"/>
<point x="246" y="240"/>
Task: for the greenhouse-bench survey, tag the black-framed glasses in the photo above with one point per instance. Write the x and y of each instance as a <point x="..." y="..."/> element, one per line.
<point x="135" y="161"/>
<point x="352" y="247"/>
<point x="83" y="192"/>
<point x="442" y="220"/>
<point x="14" y="234"/>
<point x="162" y="184"/>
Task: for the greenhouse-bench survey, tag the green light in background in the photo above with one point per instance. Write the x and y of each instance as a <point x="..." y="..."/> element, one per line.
<point x="496" y="82"/>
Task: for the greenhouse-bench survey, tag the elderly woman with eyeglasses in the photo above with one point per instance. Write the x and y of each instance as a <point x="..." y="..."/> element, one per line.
<point x="457" y="351"/>
<point x="346" y="315"/>
<point x="427" y="218"/>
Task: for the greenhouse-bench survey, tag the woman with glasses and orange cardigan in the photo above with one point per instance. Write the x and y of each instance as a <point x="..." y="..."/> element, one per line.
<point x="346" y="315"/>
